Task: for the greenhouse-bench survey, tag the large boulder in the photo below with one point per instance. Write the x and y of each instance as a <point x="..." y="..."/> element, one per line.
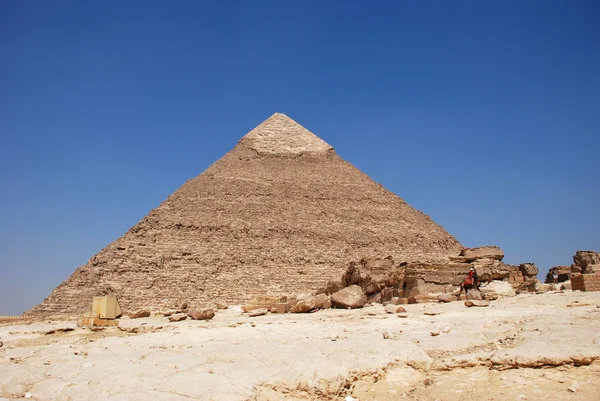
<point x="529" y="269"/>
<point x="176" y="317"/>
<point x="482" y="252"/>
<point x="502" y="288"/>
<point x="588" y="261"/>
<point x="202" y="314"/>
<point x="349" y="297"/>
<point x="306" y="305"/>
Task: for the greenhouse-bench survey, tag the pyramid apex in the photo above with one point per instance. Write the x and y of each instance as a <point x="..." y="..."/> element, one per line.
<point x="280" y="135"/>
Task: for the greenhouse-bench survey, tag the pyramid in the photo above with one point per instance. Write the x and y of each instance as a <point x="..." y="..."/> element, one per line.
<point x="281" y="213"/>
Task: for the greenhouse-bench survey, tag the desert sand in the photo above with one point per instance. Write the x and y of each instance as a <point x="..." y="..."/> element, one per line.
<point x="528" y="347"/>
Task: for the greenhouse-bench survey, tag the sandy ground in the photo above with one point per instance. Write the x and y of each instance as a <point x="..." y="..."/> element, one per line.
<point x="529" y="347"/>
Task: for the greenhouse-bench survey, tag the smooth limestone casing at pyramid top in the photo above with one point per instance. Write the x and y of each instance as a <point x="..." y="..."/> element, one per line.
<point x="280" y="213"/>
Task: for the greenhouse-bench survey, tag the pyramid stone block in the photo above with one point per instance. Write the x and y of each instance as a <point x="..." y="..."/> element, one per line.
<point x="281" y="213"/>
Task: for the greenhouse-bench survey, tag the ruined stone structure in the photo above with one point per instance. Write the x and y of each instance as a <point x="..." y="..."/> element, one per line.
<point x="584" y="262"/>
<point x="280" y="213"/>
<point x="383" y="279"/>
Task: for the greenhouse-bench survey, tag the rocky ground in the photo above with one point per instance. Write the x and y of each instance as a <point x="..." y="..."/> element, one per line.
<point x="528" y="347"/>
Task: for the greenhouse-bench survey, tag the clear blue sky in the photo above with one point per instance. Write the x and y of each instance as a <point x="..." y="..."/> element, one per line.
<point x="484" y="115"/>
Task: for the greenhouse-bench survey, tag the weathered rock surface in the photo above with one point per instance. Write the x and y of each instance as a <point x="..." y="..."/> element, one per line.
<point x="529" y="269"/>
<point x="349" y="297"/>
<point x="306" y="305"/>
<point x="482" y="252"/>
<point x="202" y="314"/>
<point x="177" y="317"/>
<point x="587" y="261"/>
<point x="516" y="333"/>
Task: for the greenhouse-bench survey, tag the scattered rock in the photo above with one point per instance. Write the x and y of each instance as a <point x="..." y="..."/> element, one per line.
<point x="170" y="312"/>
<point x="59" y="330"/>
<point x="572" y="389"/>
<point x="471" y="303"/>
<point x="395" y="301"/>
<point x="176" y="317"/>
<point x="446" y="330"/>
<point x="221" y="306"/>
<point x="28" y="395"/>
<point x="403" y="315"/>
<point x="566" y="286"/>
<point x="258" y="312"/>
<point x="435" y="333"/>
<point x="306" y="305"/>
<point x="391" y="308"/>
<point x="1" y="344"/>
<point x="202" y="314"/>
<point x="333" y="337"/>
<point x="139" y="314"/>
<point x="387" y="335"/>
<point x="349" y="297"/>
<point x="431" y="313"/>
<point x="446" y="297"/>
<point x="428" y="381"/>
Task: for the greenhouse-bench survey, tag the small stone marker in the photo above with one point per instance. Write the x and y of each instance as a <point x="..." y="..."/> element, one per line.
<point x="282" y="307"/>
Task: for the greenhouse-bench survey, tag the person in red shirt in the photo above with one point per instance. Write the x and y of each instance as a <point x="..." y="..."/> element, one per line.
<point x="473" y="277"/>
